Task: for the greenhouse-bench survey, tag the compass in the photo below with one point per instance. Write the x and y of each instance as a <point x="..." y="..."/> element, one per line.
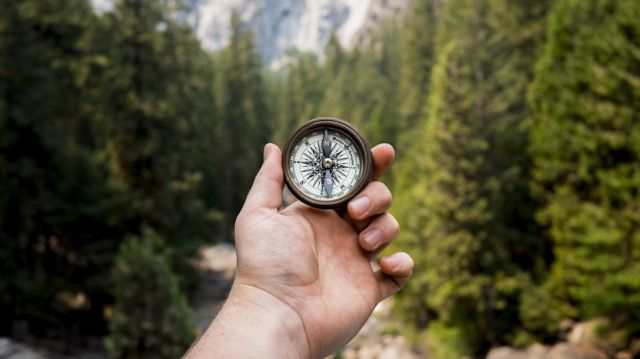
<point x="327" y="162"/>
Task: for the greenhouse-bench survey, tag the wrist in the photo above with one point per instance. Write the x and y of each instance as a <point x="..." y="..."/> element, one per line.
<point x="253" y="324"/>
<point x="280" y="322"/>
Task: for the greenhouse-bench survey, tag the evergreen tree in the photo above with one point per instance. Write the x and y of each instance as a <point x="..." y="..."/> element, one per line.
<point x="361" y="85"/>
<point x="151" y="315"/>
<point x="339" y="79"/>
<point x="300" y="96"/>
<point x="586" y="129"/>
<point x="469" y="221"/>
<point x="156" y="106"/>
<point x="417" y="55"/>
<point x="56" y="209"/>
<point x="245" y="124"/>
<point x="377" y="87"/>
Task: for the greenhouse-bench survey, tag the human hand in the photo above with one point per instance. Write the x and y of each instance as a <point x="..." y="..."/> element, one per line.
<point x="304" y="275"/>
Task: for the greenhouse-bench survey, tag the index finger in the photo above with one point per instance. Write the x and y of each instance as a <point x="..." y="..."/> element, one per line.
<point x="383" y="155"/>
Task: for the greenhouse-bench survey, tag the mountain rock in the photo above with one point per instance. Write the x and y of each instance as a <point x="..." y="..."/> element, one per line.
<point x="282" y="26"/>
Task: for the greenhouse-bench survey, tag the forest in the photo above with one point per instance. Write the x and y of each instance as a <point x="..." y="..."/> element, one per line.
<point x="125" y="147"/>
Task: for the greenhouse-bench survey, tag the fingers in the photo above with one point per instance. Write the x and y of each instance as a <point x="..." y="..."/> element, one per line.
<point x="379" y="233"/>
<point x="395" y="271"/>
<point x="376" y="197"/>
<point x="373" y="200"/>
<point x="266" y="191"/>
<point x="383" y="155"/>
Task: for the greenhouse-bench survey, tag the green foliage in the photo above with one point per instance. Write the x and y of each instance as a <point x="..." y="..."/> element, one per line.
<point x="361" y="85"/>
<point x="540" y="315"/>
<point x="56" y="208"/>
<point x="585" y="135"/>
<point x="245" y="120"/>
<point x="105" y="127"/>
<point x="469" y="219"/>
<point x="151" y="314"/>
<point x="445" y="342"/>
<point x="300" y="95"/>
<point x="417" y="56"/>
<point x="151" y="124"/>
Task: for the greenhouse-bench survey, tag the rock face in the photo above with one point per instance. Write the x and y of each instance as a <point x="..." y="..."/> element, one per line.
<point x="282" y="25"/>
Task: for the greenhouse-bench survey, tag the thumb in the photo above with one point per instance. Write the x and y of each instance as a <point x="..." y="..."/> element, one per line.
<point x="266" y="191"/>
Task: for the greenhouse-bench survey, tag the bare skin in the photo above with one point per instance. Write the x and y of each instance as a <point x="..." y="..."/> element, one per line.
<point x="305" y="285"/>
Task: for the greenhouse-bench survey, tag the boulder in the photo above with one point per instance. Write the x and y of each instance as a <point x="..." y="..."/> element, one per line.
<point x="565" y="327"/>
<point x="536" y="351"/>
<point x="588" y="332"/>
<point x="624" y="355"/>
<point x="574" y="351"/>
<point x="507" y="353"/>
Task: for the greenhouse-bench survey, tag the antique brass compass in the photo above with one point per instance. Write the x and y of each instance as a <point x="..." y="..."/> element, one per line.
<point x="326" y="162"/>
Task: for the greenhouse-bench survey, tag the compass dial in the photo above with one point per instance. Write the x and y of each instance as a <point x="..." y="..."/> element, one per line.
<point x="326" y="163"/>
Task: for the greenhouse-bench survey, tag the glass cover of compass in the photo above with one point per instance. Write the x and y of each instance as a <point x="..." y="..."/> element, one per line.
<point x="327" y="162"/>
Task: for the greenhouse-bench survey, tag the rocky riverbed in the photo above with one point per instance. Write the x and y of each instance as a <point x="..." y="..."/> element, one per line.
<point x="586" y="340"/>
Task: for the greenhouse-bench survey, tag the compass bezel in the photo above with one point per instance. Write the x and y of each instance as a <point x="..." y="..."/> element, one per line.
<point x="363" y="148"/>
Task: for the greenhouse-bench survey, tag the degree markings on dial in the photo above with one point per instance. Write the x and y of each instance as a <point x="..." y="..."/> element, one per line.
<point x="306" y="165"/>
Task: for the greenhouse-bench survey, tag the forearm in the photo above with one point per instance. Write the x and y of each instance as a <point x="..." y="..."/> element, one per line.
<point x="253" y="324"/>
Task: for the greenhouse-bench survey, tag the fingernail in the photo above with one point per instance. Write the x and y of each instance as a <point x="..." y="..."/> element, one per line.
<point x="360" y="205"/>
<point x="372" y="237"/>
<point x="267" y="150"/>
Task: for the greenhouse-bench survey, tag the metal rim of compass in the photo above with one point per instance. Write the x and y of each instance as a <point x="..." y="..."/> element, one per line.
<point x="358" y="139"/>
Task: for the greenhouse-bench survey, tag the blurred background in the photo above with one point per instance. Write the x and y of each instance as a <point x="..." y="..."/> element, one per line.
<point x="130" y="132"/>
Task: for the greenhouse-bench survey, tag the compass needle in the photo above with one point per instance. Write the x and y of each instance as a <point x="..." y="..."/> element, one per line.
<point x="327" y="146"/>
<point x="328" y="182"/>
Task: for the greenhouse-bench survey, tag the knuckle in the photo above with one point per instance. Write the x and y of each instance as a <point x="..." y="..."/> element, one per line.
<point x="394" y="226"/>
<point x="381" y="192"/>
<point x="386" y="193"/>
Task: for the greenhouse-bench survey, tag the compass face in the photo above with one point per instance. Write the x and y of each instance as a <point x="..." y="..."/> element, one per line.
<point x="326" y="163"/>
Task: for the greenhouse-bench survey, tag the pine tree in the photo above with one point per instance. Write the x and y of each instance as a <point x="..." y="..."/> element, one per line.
<point x="157" y="102"/>
<point x="377" y="88"/>
<point x="55" y="205"/>
<point x="417" y="55"/>
<point x="301" y="95"/>
<point x="469" y="221"/>
<point x="361" y="85"/>
<point x="586" y="129"/>
<point x="151" y="316"/>
<point x="245" y="124"/>
<point x="339" y="75"/>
